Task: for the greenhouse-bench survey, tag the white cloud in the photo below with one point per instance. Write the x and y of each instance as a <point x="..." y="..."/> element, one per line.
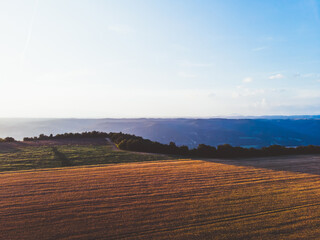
<point x="119" y="28"/>
<point x="277" y="76"/>
<point x="260" y="103"/>
<point x="247" y="80"/>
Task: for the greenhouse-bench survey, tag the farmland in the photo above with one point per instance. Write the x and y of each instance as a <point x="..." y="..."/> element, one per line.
<point x="73" y="152"/>
<point x="185" y="199"/>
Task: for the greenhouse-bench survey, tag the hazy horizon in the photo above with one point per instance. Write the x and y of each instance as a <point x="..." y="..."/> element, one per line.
<point x="159" y="59"/>
<point x="181" y="117"/>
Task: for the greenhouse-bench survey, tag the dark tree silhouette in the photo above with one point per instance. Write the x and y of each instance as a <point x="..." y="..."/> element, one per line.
<point x="134" y="143"/>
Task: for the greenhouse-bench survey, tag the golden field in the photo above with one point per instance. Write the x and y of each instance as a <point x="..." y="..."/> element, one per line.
<point x="185" y="199"/>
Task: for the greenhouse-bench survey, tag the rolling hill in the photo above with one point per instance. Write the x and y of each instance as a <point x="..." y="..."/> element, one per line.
<point x="290" y="131"/>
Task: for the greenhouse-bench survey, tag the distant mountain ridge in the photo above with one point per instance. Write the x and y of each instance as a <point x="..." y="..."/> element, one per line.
<point x="245" y="132"/>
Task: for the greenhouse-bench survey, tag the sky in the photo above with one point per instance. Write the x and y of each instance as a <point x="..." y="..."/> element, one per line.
<point x="159" y="58"/>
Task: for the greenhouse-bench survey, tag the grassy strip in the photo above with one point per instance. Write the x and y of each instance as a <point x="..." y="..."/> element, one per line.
<point x="35" y="157"/>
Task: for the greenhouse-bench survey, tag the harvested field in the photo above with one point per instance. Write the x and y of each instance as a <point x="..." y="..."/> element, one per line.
<point x="186" y="199"/>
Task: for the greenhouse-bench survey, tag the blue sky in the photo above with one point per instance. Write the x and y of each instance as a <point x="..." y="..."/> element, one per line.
<point x="163" y="58"/>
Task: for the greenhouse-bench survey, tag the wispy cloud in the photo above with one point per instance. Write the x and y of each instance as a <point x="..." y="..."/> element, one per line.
<point x="247" y="92"/>
<point x="307" y="94"/>
<point x="26" y="45"/>
<point x="247" y="80"/>
<point x="212" y="95"/>
<point x="258" y="49"/>
<point x="309" y="76"/>
<point x="186" y="75"/>
<point x="120" y="28"/>
<point x="73" y="76"/>
<point x="195" y="64"/>
<point x="277" y="76"/>
<point x="278" y="90"/>
<point x="268" y="39"/>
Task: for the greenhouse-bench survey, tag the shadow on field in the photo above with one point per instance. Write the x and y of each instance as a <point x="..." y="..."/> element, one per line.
<point x="59" y="156"/>
<point x="9" y="147"/>
<point x="300" y="163"/>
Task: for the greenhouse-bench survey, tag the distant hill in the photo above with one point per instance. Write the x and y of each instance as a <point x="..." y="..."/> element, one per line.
<point x="245" y="132"/>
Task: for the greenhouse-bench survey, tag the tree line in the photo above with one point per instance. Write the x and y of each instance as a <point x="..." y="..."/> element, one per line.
<point x="7" y="139"/>
<point x="134" y="143"/>
<point x="93" y="134"/>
